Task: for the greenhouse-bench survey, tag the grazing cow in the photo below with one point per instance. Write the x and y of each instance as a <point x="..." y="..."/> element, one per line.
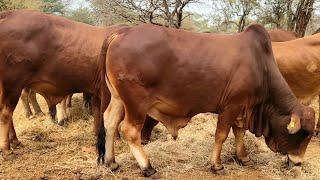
<point x="53" y="56"/>
<point x="299" y="63"/>
<point x="178" y="74"/>
<point x="280" y="35"/>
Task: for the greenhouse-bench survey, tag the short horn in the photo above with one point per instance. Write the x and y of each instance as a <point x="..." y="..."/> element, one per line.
<point x="295" y="125"/>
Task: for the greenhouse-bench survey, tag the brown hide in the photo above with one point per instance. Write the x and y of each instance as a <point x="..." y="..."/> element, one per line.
<point x="50" y="54"/>
<point x="299" y="63"/>
<point x="178" y="74"/>
<point x="279" y="35"/>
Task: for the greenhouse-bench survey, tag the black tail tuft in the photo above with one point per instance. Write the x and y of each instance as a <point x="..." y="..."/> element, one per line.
<point x="101" y="141"/>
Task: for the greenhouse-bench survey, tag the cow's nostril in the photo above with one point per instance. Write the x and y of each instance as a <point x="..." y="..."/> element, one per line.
<point x="292" y="164"/>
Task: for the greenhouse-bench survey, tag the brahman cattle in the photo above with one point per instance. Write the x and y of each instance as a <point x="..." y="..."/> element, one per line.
<point x="51" y="55"/>
<point x="280" y="35"/>
<point x="172" y="75"/>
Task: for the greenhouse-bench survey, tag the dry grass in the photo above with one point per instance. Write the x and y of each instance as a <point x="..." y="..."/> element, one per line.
<point x="52" y="152"/>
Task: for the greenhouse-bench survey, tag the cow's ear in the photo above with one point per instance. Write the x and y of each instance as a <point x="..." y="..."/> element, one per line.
<point x="295" y="124"/>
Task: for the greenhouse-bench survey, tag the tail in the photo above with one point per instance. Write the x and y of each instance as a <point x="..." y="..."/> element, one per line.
<point x="101" y="138"/>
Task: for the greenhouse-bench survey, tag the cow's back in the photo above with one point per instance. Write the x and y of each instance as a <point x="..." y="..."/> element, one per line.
<point x="51" y="49"/>
<point x="279" y="35"/>
<point x="299" y="62"/>
<point x="196" y="65"/>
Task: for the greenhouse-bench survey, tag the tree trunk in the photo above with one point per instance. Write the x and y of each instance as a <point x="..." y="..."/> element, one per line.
<point x="303" y="15"/>
<point x="290" y="16"/>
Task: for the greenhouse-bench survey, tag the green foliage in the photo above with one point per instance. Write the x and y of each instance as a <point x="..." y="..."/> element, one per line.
<point x="82" y="14"/>
<point x="53" y="6"/>
<point x="21" y="4"/>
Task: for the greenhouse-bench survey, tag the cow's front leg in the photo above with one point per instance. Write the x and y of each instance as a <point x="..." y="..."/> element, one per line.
<point x="14" y="142"/>
<point x="34" y="103"/>
<point x="5" y="123"/>
<point x="242" y="155"/>
<point x="225" y="121"/>
<point x="25" y="101"/>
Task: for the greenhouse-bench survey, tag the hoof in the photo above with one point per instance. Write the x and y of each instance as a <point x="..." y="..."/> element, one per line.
<point x="31" y="117"/>
<point x="316" y="133"/>
<point x="148" y="172"/>
<point x="63" y="122"/>
<point x="244" y="161"/>
<point x="218" y="170"/>
<point x="144" y="141"/>
<point x="16" y="144"/>
<point x="39" y="114"/>
<point x="113" y="166"/>
<point x="7" y="155"/>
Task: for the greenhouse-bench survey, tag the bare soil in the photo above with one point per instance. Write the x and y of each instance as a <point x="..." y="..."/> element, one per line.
<point x="53" y="152"/>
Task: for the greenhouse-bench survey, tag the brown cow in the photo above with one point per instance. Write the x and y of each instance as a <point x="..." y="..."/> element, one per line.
<point x="280" y="35"/>
<point x="178" y="74"/>
<point x="299" y="63"/>
<point x="50" y="54"/>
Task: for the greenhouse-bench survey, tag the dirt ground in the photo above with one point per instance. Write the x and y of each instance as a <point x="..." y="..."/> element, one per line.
<point x="53" y="152"/>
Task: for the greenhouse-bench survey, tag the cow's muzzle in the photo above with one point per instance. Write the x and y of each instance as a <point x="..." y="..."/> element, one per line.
<point x="293" y="161"/>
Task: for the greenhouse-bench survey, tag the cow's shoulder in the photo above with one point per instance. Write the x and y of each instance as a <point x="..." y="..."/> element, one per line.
<point x="260" y="34"/>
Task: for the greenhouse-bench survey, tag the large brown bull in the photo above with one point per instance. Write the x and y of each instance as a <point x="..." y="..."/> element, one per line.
<point x="50" y="54"/>
<point x="177" y="74"/>
<point x="276" y="35"/>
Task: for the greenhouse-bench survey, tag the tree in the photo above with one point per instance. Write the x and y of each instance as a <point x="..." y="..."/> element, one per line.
<point x="53" y="6"/>
<point x="273" y="13"/>
<point x="20" y="4"/>
<point x="82" y="14"/>
<point x="47" y="6"/>
<point x="301" y="18"/>
<point x="235" y="12"/>
<point x="168" y="13"/>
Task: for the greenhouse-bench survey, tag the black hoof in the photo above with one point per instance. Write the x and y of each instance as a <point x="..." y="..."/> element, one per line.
<point x="39" y="114"/>
<point x="63" y="122"/>
<point x="7" y="155"/>
<point x="112" y="165"/>
<point x="16" y="144"/>
<point x="149" y="172"/>
<point x="144" y="141"/>
<point x="246" y="162"/>
<point x="218" y="170"/>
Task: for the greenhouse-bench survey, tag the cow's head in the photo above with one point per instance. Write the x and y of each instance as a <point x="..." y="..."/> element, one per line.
<point x="291" y="134"/>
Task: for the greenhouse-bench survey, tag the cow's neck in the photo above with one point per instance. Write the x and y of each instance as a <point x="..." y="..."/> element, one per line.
<point x="277" y="103"/>
<point x="280" y="94"/>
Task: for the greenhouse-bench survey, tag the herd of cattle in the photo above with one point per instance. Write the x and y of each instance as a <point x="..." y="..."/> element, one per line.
<point x="134" y="77"/>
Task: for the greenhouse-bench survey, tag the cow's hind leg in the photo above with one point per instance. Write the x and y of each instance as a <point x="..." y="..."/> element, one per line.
<point x="35" y="104"/>
<point x="242" y="155"/>
<point x="25" y="102"/>
<point x="131" y="129"/>
<point x="112" y="117"/>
